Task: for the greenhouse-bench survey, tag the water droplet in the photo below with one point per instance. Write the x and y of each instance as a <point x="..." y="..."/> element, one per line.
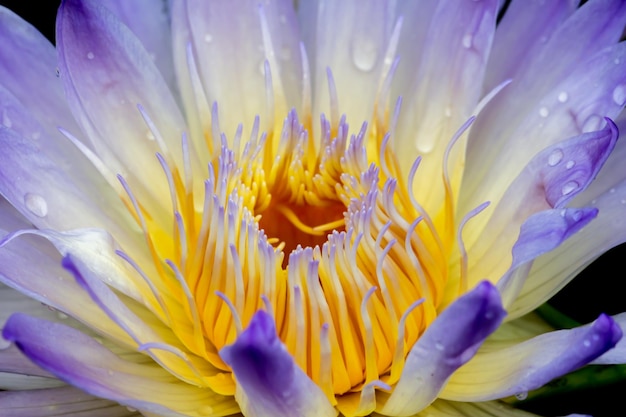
<point x="592" y="123"/>
<point x="563" y="96"/>
<point x="612" y="190"/>
<point x="563" y="212"/>
<point x="586" y="343"/>
<point x="619" y="95"/>
<point x="364" y="54"/>
<point x="35" y="135"/>
<point x="6" y="120"/>
<point x="150" y="135"/>
<point x="521" y="395"/>
<point x="595" y="337"/>
<point x="57" y="72"/>
<point x="110" y="372"/>
<point x="36" y="204"/>
<point x="623" y="201"/>
<point x="570" y="164"/>
<point x="447" y="111"/>
<point x="62" y="316"/>
<point x="282" y="18"/>
<point x="467" y="41"/>
<point x="569" y="187"/>
<point x="544" y="112"/>
<point x="131" y="409"/>
<point x="4" y="344"/>
<point x="439" y="346"/>
<point x="555" y="157"/>
<point x="90" y="55"/>
<point x="208" y="38"/>
<point x="616" y="61"/>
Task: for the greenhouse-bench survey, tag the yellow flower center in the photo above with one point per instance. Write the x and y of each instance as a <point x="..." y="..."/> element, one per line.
<point x="323" y="233"/>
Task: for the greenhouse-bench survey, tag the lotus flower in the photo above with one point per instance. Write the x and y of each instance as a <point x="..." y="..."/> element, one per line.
<point x="347" y="208"/>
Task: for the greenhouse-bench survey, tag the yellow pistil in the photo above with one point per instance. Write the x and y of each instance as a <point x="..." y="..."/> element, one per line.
<point x="323" y="233"/>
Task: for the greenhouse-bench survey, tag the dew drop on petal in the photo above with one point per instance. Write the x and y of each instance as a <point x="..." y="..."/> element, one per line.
<point x="544" y="112"/>
<point x="619" y="95"/>
<point x="569" y="187"/>
<point x="467" y="41"/>
<point x="555" y="157"/>
<point x="208" y="38"/>
<point x="149" y="135"/>
<point x="521" y="395"/>
<point x="612" y="190"/>
<point x="586" y="343"/>
<point x="563" y="96"/>
<point x="439" y="346"/>
<point x="36" y="204"/>
<point x="616" y="61"/>
<point x="35" y="135"/>
<point x="131" y="409"/>
<point x="90" y="55"/>
<point x="364" y="54"/>
<point x="62" y="316"/>
<point x="570" y="164"/>
<point x="592" y="123"/>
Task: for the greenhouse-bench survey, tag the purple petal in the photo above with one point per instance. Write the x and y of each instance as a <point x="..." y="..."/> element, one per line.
<point x="269" y="383"/>
<point x="546" y="230"/>
<point x="107" y="73"/>
<point x="81" y="361"/>
<point x="66" y="401"/>
<point x="617" y="355"/>
<point x="446" y="345"/>
<point x="531" y="364"/>
<point x="551" y="179"/>
<point x="540" y="233"/>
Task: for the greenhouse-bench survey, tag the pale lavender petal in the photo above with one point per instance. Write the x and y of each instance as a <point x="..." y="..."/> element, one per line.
<point x="32" y="266"/>
<point x="149" y="21"/>
<point x="531" y="364"/>
<point x="525" y="27"/>
<point x="81" y="361"/>
<point x="107" y="73"/>
<point x="553" y="100"/>
<point x="143" y="328"/>
<point x="444" y="93"/>
<point x="269" y="383"/>
<point x="66" y="401"/>
<point x="448" y="343"/>
<point x="28" y="65"/>
<point x="50" y="197"/>
<point x="230" y="50"/>
<point x="353" y="49"/>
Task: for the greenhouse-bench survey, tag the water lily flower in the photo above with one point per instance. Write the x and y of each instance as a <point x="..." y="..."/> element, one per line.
<point x="347" y="208"/>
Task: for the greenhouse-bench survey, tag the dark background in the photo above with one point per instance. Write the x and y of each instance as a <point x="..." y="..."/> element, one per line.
<point x="596" y="290"/>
